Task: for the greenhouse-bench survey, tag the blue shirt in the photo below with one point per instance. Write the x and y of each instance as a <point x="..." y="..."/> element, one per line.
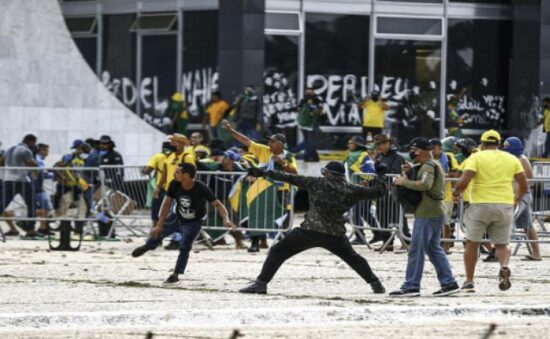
<point x="38" y="182"/>
<point x="444" y="161"/>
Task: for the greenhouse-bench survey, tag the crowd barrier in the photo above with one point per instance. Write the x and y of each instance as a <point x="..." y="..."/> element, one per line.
<point x="120" y="198"/>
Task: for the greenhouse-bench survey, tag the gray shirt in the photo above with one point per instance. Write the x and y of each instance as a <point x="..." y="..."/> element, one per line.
<point x="17" y="156"/>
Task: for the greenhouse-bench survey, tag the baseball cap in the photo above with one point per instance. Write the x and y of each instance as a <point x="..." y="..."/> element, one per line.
<point x="358" y="140"/>
<point x="232" y="155"/>
<point x="334" y="167"/>
<point x="490" y="136"/>
<point x="278" y="137"/>
<point x="77" y="143"/>
<point x="421" y="143"/>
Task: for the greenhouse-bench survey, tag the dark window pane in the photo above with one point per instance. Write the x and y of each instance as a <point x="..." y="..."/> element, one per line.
<point x="281" y="84"/>
<point x="506" y="2"/>
<point x="407" y="74"/>
<point x="88" y="49"/>
<point x="288" y="21"/>
<point x="119" y="58"/>
<point x="337" y="54"/>
<point x="431" y="1"/>
<point x="478" y="61"/>
<point x="200" y="60"/>
<point x="158" y="81"/>
<point x="409" y="26"/>
<point x="154" y="23"/>
<point x="81" y="25"/>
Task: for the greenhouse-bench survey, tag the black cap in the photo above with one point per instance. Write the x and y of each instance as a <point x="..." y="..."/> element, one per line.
<point x="421" y="143"/>
<point x="335" y="167"/>
<point x="105" y="139"/>
<point x="279" y="137"/>
<point x="358" y="140"/>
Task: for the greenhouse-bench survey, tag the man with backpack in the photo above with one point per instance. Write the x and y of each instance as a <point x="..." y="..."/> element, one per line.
<point x="429" y="213"/>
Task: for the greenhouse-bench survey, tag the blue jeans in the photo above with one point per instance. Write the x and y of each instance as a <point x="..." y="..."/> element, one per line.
<point x="309" y="144"/>
<point x="426" y="240"/>
<point x="189" y="232"/>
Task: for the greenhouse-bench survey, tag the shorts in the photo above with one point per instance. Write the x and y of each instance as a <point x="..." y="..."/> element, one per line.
<point x="523" y="217"/>
<point x="156" y="205"/>
<point x="495" y="219"/>
<point x="449" y="206"/>
<point x="42" y="201"/>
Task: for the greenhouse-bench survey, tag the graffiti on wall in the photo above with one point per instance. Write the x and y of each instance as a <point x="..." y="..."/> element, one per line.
<point x="197" y="87"/>
<point x="279" y="101"/>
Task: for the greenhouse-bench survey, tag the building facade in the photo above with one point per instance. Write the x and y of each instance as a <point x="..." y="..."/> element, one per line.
<point x="417" y="54"/>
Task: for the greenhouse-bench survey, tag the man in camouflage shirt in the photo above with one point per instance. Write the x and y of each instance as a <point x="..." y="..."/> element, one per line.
<point x="330" y="197"/>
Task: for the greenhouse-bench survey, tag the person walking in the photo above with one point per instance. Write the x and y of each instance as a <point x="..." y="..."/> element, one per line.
<point x="374" y="110"/>
<point x="190" y="197"/>
<point x="492" y="173"/>
<point x="428" y="223"/>
<point x="330" y="197"/>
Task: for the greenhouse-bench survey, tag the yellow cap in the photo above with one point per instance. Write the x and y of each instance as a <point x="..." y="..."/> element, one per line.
<point x="201" y="148"/>
<point x="177" y="96"/>
<point x="491" y="136"/>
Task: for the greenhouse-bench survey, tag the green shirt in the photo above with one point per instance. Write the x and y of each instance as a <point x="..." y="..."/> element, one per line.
<point x="428" y="207"/>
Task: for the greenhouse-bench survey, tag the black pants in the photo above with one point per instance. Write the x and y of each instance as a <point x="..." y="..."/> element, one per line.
<point x="299" y="240"/>
<point x="10" y="189"/>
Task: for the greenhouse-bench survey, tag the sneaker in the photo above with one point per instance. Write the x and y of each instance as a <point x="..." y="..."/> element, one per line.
<point x="491" y="257"/>
<point x="403" y="293"/>
<point x="44" y="233"/>
<point x="257" y="287"/>
<point x="377" y="287"/>
<point x="173" y="245"/>
<point x="468" y="287"/>
<point x="253" y="249"/>
<point x="447" y="290"/>
<point x="504" y="278"/>
<point x="172" y="279"/>
<point x="138" y="252"/>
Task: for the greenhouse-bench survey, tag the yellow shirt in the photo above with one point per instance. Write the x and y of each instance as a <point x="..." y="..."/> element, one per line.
<point x="215" y="112"/>
<point x="466" y="195"/>
<point x="172" y="162"/>
<point x="157" y="163"/>
<point x="547" y="120"/>
<point x="263" y="153"/>
<point x="495" y="171"/>
<point x="373" y="114"/>
<point x="453" y="166"/>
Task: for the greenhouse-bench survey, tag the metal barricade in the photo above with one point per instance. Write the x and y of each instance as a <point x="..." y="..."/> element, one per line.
<point x="49" y="196"/>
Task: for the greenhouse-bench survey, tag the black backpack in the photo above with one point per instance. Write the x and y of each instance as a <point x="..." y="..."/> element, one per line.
<point x="410" y="199"/>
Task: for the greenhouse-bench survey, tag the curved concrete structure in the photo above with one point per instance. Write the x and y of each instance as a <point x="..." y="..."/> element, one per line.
<point x="47" y="88"/>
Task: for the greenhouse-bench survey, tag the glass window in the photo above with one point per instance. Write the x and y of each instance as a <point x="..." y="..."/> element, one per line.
<point x="119" y="58"/>
<point x="506" y="2"/>
<point x="288" y="21"/>
<point x="81" y="25"/>
<point x="432" y="1"/>
<point x="149" y="22"/>
<point x="281" y="85"/>
<point x="407" y="75"/>
<point x="392" y="25"/>
<point x="336" y="62"/>
<point x="200" y="60"/>
<point x="158" y="82"/>
<point x="88" y="49"/>
<point x="478" y="61"/>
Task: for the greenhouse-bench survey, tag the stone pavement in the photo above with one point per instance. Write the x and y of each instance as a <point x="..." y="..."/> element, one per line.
<point x="102" y="292"/>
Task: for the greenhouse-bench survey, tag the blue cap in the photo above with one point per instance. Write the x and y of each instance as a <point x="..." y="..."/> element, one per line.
<point x="77" y="143"/>
<point x="232" y="155"/>
<point x="513" y="146"/>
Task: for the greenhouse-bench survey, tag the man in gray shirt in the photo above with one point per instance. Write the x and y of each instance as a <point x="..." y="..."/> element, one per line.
<point x="17" y="181"/>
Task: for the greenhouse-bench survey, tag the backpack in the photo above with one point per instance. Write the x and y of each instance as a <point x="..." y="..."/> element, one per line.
<point x="410" y="199"/>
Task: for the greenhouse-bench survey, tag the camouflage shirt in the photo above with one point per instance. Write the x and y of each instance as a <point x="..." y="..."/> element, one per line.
<point x="329" y="198"/>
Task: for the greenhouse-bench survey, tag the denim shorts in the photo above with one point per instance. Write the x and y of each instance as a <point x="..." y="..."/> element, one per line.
<point x="42" y="201"/>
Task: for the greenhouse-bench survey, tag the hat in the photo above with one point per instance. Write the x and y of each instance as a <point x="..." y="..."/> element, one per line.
<point x="278" y="137"/>
<point x="466" y="144"/>
<point x="513" y="146"/>
<point x="77" y="143"/>
<point x="232" y="155"/>
<point x="421" y="143"/>
<point x="380" y="138"/>
<point x="491" y="136"/>
<point x="435" y="142"/>
<point x="334" y="167"/>
<point x="105" y="139"/>
<point x="358" y="140"/>
<point x="448" y="143"/>
<point x="176" y="137"/>
<point x="203" y="149"/>
<point x="177" y="96"/>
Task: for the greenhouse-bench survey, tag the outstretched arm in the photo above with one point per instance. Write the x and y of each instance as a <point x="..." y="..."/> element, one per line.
<point x="236" y="135"/>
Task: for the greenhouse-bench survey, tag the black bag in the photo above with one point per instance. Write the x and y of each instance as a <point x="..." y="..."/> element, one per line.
<point x="410" y="199"/>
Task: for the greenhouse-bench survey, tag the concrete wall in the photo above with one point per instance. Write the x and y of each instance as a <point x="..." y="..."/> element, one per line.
<point x="47" y="88"/>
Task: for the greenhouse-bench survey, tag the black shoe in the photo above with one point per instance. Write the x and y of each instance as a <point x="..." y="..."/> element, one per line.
<point x="173" y="245"/>
<point x="468" y="287"/>
<point x="377" y="287"/>
<point x="491" y="257"/>
<point x="138" y="252"/>
<point x="254" y="249"/>
<point x="447" y="290"/>
<point x="402" y="293"/>
<point x="504" y="279"/>
<point x="172" y="279"/>
<point x="257" y="287"/>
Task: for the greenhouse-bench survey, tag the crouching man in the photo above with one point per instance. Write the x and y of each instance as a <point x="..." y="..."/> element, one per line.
<point x="190" y="198"/>
<point x="330" y="196"/>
